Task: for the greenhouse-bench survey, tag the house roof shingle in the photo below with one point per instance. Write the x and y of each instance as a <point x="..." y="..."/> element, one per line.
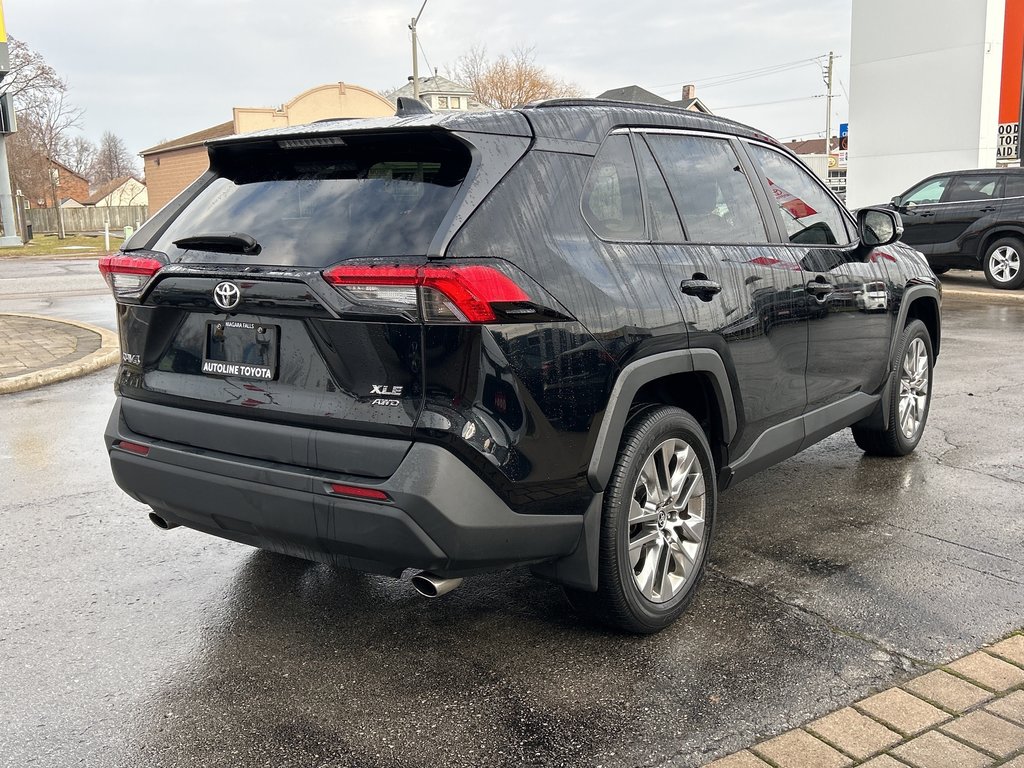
<point x="428" y="85"/>
<point x="192" y="139"/>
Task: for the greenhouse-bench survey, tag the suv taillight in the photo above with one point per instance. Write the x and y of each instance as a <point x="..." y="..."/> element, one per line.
<point x="453" y="294"/>
<point x="128" y="275"/>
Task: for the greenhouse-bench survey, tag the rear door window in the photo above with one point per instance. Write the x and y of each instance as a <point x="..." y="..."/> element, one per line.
<point x="310" y="203"/>
<point x="611" y="203"/>
<point x="711" y="192"/>
<point x="809" y="214"/>
<point x="967" y="188"/>
<point x="1014" y="185"/>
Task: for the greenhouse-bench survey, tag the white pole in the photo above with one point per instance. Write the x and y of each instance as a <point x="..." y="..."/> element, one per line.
<point x="106" y="235"/>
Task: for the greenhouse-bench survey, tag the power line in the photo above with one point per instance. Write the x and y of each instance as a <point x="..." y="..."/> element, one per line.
<point x="769" y="103"/>
<point x="749" y="74"/>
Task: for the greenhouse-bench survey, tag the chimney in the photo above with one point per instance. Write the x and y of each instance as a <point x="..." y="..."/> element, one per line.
<point x="689" y="92"/>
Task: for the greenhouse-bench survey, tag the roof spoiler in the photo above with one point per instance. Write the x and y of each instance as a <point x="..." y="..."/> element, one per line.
<point x="408" y="106"/>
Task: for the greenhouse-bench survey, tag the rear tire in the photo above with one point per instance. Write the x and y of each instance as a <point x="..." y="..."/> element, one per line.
<point x="940" y="270"/>
<point x="1004" y="263"/>
<point x="656" y="526"/>
<point x="910" y="396"/>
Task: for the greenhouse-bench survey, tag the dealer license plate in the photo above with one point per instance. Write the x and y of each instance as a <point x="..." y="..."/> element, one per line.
<point x="242" y="349"/>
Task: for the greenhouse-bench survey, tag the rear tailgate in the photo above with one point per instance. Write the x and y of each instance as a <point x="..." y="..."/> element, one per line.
<point x="292" y="349"/>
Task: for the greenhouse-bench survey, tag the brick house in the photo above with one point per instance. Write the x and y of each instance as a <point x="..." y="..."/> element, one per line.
<point x="70" y="185"/>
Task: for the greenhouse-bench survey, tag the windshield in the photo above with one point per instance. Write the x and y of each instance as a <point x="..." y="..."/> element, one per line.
<point x="376" y="195"/>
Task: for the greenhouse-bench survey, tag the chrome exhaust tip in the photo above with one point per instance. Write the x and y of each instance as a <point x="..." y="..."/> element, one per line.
<point x="161" y="523"/>
<point x="431" y="585"/>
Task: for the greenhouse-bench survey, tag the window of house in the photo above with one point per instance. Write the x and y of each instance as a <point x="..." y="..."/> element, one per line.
<point x="612" y="204"/>
<point x="442" y="102"/>
<point x="455" y="102"/>
<point x="810" y="215"/>
<point x="711" y="192"/>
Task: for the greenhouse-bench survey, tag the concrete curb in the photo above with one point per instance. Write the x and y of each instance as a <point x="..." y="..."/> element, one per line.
<point x="992" y="297"/>
<point x="105" y="356"/>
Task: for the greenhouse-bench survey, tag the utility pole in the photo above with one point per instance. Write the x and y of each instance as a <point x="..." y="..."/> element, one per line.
<point x="8" y="125"/>
<point x="415" y="58"/>
<point x="828" y="106"/>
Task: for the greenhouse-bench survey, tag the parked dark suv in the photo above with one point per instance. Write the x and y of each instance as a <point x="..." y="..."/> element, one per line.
<point x="968" y="220"/>
<point x="549" y="335"/>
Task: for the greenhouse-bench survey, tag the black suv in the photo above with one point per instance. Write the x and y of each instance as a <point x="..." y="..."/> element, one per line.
<point x="549" y="335"/>
<point x="968" y="220"/>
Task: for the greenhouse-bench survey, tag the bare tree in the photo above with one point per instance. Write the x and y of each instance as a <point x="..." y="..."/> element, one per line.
<point x="80" y="155"/>
<point x="45" y="120"/>
<point x="113" y="160"/>
<point x="510" y="80"/>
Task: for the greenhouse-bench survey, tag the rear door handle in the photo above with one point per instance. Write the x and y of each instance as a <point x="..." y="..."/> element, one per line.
<point x="988" y="209"/>
<point x="820" y="288"/>
<point x="702" y="289"/>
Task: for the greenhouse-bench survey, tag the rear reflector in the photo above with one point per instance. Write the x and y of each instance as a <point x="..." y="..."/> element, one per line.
<point x="339" y="489"/>
<point x="141" y="450"/>
<point x="452" y="294"/>
<point x="128" y="275"/>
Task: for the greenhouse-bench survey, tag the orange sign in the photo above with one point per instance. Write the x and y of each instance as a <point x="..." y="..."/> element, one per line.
<point x="1013" y="62"/>
<point x="1010" y="91"/>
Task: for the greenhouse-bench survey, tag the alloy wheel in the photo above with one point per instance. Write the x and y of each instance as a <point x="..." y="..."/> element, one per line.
<point x="913" y="388"/>
<point x="667" y="520"/>
<point x="1004" y="263"/>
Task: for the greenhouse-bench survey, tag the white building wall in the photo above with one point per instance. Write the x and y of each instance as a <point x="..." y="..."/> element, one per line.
<point x="924" y="92"/>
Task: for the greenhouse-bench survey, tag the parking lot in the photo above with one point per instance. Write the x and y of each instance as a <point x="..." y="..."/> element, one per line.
<point x="833" y="575"/>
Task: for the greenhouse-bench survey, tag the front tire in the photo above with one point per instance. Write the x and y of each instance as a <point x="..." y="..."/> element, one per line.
<point x="656" y="526"/>
<point x="1004" y="263"/>
<point x="910" y="395"/>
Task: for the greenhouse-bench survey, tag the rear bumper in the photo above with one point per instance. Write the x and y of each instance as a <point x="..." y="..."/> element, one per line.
<point x="442" y="517"/>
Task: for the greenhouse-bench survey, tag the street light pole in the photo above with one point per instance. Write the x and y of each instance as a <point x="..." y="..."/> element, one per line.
<point x="415" y="58"/>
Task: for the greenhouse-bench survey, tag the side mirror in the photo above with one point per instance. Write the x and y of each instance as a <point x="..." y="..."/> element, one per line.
<point x="896" y="201"/>
<point x="878" y="226"/>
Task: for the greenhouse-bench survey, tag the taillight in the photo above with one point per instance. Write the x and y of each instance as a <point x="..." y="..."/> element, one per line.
<point x="128" y="275"/>
<point x="459" y="293"/>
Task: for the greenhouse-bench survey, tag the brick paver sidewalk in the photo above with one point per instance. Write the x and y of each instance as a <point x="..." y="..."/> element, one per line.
<point x="967" y="714"/>
<point x="36" y="350"/>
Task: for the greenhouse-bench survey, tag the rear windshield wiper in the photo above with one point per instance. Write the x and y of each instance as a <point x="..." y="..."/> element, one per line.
<point x="221" y="242"/>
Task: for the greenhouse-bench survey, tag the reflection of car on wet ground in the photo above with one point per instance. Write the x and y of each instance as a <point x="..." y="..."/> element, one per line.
<point x="490" y="339"/>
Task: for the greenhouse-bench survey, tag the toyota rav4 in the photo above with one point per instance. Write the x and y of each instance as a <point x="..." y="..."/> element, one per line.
<point x="548" y="336"/>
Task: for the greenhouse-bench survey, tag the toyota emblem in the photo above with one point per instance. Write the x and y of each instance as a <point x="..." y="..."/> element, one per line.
<point x="226" y="295"/>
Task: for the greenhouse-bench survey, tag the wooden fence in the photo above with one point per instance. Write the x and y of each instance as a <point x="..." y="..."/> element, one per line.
<point x="90" y="219"/>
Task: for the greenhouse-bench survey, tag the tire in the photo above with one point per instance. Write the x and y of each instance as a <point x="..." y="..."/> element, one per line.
<point x="940" y="270"/>
<point x="1004" y="263"/>
<point x="649" y="569"/>
<point x="910" y="396"/>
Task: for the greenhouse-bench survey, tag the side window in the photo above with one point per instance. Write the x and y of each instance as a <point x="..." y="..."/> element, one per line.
<point x="929" y="192"/>
<point x="1015" y="185"/>
<point x="611" y="195"/>
<point x="810" y="215"/>
<point x="966" y="188"/>
<point x="665" y="227"/>
<point x="710" y="190"/>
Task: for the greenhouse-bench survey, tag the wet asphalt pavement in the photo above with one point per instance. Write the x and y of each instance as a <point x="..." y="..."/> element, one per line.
<point x="832" y="575"/>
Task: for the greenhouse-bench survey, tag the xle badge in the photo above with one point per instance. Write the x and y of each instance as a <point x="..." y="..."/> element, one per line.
<point x="384" y="389"/>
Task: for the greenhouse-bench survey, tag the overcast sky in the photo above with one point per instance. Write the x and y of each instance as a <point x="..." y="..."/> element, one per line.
<point x="152" y="70"/>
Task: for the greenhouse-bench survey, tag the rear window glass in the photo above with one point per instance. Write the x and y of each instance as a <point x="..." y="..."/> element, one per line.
<point x="383" y="195"/>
